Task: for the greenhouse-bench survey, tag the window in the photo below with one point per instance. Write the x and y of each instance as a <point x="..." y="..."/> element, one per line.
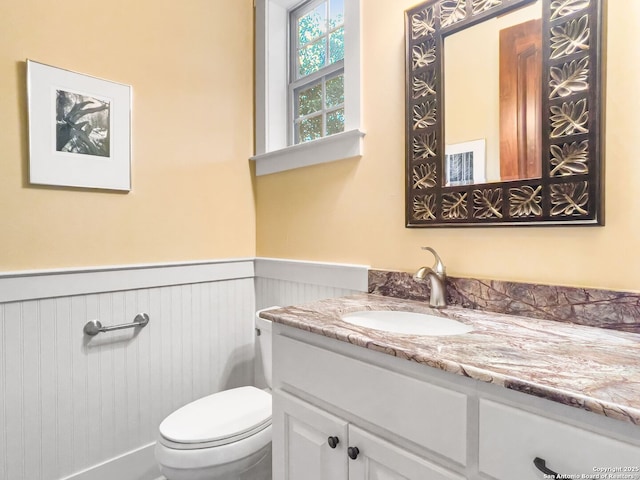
<point x="316" y="88"/>
<point x="465" y="162"/>
<point x="307" y="83"/>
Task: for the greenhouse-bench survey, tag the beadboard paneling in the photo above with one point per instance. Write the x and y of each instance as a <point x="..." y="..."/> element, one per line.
<point x="287" y="282"/>
<point x="271" y="292"/>
<point x="335" y="275"/>
<point x="68" y="402"/>
<point x="80" y="408"/>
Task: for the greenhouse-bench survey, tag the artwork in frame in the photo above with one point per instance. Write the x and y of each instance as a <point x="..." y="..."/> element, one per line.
<point x="465" y="163"/>
<point x="79" y="129"/>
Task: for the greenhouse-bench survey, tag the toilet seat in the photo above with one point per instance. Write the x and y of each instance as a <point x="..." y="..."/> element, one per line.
<point x="216" y="420"/>
<point x="215" y="443"/>
<point x="246" y="450"/>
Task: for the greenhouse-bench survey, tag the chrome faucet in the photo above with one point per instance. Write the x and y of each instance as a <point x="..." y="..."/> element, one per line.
<point x="438" y="279"/>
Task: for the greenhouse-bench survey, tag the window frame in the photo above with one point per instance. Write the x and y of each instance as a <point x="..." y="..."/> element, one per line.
<point x="274" y="151"/>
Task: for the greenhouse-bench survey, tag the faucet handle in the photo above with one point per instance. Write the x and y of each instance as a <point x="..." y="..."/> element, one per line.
<point x="438" y="267"/>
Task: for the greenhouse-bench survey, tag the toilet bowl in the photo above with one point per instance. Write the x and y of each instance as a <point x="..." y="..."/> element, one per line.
<point x="224" y="436"/>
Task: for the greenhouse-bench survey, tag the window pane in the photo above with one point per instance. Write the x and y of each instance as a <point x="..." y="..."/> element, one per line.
<point x="336" y="13"/>
<point x="312" y="25"/>
<point x="312" y="57"/>
<point x="310" y="128"/>
<point x="310" y="100"/>
<point x="336" y="45"/>
<point x="335" y="91"/>
<point x="335" y="122"/>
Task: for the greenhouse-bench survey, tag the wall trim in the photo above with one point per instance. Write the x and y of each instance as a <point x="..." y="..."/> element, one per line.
<point x="138" y="464"/>
<point x="339" y="275"/>
<point x="37" y="284"/>
<point x="339" y="146"/>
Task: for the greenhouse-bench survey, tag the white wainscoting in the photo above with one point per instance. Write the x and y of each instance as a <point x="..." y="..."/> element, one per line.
<point x="288" y="282"/>
<point x="291" y="282"/>
<point x="75" y="408"/>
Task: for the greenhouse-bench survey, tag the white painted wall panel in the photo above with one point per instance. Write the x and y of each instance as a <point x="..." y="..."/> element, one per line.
<point x="337" y="275"/>
<point x="80" y="408"/>
<point x="29" y="285"/>
<point x="271" y="291"/>
<point x="3" y="397"/>
<point x="13" y="432"/>
<point x="69" y="402"/>
<point x="287" y="282"/>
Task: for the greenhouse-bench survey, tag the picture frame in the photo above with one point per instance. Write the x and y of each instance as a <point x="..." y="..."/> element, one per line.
<point x="79" y="129"/>
<point x="466" y="163"/>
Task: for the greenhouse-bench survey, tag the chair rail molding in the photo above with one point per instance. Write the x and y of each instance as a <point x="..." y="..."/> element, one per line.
<point x="37" y="284"/>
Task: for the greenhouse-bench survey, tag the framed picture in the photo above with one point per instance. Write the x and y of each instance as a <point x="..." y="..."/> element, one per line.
<point x="465" y="163"/>
<point x="79" y="129"/>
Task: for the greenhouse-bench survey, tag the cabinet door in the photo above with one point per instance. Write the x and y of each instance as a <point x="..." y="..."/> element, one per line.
<point x="301" y="449"/>
<point x="380" y="460"/>
<point x="510" y="440"/>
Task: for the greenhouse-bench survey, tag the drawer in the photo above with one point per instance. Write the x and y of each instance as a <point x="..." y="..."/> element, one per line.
<point x="511" y="438"/>
<point x="430" y="416"/>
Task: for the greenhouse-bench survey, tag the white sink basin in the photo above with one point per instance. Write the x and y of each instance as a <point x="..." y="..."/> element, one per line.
<point x="409" y="323"/>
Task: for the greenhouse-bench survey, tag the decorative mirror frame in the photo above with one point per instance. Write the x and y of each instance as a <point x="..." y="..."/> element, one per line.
<point x="571" y="189"/>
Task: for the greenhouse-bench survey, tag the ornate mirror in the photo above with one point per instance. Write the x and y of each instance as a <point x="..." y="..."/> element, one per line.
<point x="504" y="108"/>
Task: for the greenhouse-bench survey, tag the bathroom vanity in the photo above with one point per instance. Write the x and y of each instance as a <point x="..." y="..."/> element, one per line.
<point x="354" y="403"/>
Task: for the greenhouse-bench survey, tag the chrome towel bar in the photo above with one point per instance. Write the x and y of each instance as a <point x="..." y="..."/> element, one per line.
<point x="94" y="327"/>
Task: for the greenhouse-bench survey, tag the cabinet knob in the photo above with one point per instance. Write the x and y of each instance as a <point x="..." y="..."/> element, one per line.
<point x="333" y="441"/>
<point x="353" y="452"/>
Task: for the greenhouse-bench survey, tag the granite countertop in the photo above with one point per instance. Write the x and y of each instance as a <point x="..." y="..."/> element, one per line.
<point x="585" y="367"/>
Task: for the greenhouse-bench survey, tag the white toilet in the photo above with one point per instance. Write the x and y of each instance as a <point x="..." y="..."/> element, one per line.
<point x="224" y="436"/>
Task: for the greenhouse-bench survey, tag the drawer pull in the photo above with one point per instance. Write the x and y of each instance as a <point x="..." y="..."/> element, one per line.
<point x="333" y="441"/>
<point x="541" y="465"/>
<point x="353" y="452"/>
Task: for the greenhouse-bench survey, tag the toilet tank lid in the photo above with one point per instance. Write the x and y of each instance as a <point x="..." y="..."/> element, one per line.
<point x="219" y="416"/>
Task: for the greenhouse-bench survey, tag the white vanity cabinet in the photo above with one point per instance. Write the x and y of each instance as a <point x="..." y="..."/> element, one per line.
<point x="311" y="444"/>
<point x="321" y="396"/>
<point x="412" y="422"/>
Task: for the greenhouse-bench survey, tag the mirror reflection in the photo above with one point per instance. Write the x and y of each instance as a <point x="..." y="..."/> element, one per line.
<point x="492" y="85"/>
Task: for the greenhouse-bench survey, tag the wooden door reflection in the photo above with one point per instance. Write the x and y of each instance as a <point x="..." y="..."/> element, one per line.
<point x="520" y="101"/>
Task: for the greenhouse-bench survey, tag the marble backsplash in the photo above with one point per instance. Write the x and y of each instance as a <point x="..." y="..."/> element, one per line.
<point x="583" y="306"/>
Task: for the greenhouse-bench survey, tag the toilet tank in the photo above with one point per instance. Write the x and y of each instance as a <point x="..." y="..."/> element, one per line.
<point x="263" y="326"/>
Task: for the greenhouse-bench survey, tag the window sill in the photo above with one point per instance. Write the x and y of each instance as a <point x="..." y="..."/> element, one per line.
<point x="323" y="150"/>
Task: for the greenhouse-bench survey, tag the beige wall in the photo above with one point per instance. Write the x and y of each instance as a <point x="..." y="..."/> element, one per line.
<point x="190" y="65"/>
<point x="353" y="211"/>
<point x="191" y="70"/>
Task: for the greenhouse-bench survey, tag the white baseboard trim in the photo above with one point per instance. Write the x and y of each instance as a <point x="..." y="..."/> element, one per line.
<point x="32" y="285"/>
<point x="338" y="275"/>
<point x="139" y="464"/>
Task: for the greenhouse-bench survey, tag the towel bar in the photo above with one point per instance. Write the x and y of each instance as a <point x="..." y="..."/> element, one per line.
<point x="94" y="327"/>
